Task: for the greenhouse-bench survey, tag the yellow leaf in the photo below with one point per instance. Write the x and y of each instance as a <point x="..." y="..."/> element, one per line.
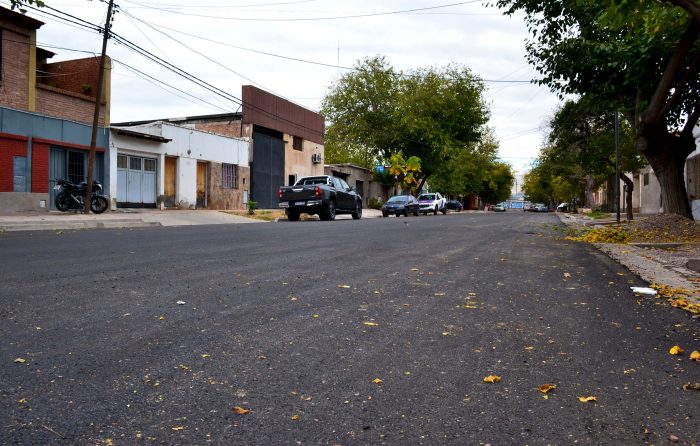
<point x="472" y="294"/>
<point x="629" y="371"/>
<point x="695" y="356"/>
<point x="20" y="360"/>
<point x="205" y="355"/>
<point x="587" y="399"/>
<point x="370" y="324"/>
<point x="315" y="316"/>
<point x="377" y="381"/>
<point x="676" y="350"/>
<point x="439" y="294"/>
<point x="343" y="286"/>
<point x="22" y="401"/>
<point x="161" y="318"/>
<point x="295" y="417"/>
<point x="544" y="388"/>
<point x="238" y="410"/>
<point x="529" y="348"/>
<point x="492" y="379"/>
<point x="178" y="428"/>
<point x="414" y="269"/>
<point x="445" y="333"/>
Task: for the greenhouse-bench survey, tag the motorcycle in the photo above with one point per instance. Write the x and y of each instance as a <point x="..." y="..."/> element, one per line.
<point x="71" y="197"/>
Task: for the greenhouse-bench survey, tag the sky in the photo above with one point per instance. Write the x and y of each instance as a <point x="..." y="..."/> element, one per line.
<point x="296" y="50"/>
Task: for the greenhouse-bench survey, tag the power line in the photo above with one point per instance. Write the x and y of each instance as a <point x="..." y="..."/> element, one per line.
<point x="314" y="19"/>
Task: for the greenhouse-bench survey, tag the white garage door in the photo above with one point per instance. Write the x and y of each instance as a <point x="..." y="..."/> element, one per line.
<point x="136" y="181"/>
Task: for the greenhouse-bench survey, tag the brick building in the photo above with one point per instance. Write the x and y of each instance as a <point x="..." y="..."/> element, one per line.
<point x="286" y="141"/>
<point x="46" y="112"/>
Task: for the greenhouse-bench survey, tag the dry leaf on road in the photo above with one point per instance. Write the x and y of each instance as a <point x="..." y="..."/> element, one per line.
<point x="238" y="410"/>
<point x="587" y="399"/>
<point x="492" y="379"/>
<point x="370" y="324"/>
<point x="676" y="350"/>
<point x="544" y="388"/>
<point x="377" y="381"/>
<point x="695" y="356"/>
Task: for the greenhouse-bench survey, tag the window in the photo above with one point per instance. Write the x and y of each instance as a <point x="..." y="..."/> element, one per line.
<point x="149" y="165"/>
<point x="646" y="179"/>
<point x="121" y="161"/>
<point x="297" y="143"/>
<point x="229" y="176"/>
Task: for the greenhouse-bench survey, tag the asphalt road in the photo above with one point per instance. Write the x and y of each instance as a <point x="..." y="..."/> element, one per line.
<point x="299" y="322"/>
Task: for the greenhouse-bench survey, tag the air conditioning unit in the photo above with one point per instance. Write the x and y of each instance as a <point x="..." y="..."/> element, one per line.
<point x="316" y="158"/>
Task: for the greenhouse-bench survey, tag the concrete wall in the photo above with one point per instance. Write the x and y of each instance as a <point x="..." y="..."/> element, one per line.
<point x="298" y="162"/>
<point x="353" y="174"/>
<point x="188" y="146"/>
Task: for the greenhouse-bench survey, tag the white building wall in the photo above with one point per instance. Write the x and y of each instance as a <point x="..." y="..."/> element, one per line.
<point x="187" y="145"/>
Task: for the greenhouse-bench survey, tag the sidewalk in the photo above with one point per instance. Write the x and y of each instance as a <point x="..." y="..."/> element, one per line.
<point x="676" y="265"/>
<point x="130" y="218"/>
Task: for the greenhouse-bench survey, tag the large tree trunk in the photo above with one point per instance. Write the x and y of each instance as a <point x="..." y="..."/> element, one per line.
<point x="610" y="194"/>
<point x="666" y="154"/>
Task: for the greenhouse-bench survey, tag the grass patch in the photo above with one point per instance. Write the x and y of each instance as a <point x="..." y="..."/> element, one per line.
<point x="598" y="215"/>
<point x="260" y="214"/>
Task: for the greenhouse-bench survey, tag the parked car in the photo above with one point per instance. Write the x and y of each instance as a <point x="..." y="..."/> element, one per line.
<point x="400" y="205"/>
<point x="499" y="208"/>
<point x="528" y="207"/>
<point x="432" y="202"/>
<point x="539" y="207"/>
<point x="453" y="205"/>
<point x="563" y="207"/>
<point x="324" y="195"/>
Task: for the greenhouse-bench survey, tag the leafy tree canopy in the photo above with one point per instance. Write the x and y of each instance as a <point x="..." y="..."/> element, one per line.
<point x="640" y="57"/>
<point x="376" y="111"/>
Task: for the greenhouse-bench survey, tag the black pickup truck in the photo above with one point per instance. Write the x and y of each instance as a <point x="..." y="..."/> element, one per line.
<point x="324" y="195"/>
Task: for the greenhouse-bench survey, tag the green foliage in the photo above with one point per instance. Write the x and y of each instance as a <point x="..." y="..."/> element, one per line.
<point x="15" y="4"/>
<point x="638" y="57"/>
<point x="376" y="112"/>
<point x="252" y="206"/>
<point x="404" y="171"/>
<point x="375" y="203"/>
<point x="497" y="183"/>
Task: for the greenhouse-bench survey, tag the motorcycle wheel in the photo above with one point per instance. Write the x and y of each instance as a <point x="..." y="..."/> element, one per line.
<point x="63" y="202"/>
<point x="98" y="204"/>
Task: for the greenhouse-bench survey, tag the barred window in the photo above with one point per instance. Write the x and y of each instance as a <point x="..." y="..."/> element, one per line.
<point x="229" y="176"/>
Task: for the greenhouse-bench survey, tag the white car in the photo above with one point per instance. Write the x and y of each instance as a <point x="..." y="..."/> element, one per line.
<point x="432" y="202"/>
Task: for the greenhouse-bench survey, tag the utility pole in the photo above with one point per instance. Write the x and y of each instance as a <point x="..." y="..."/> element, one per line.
<point x="617" y="167"/>
<point x="96" y="117"/>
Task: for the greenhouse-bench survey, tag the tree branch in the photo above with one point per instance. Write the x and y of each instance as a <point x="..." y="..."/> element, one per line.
<point x="691" y="122"/>
<point x="675" y="65"/>
<point x="690" y="6"/>
<point x="690" y="74"/>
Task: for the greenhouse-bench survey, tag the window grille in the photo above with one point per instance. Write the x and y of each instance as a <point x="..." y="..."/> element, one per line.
<point x="229" y="176"/>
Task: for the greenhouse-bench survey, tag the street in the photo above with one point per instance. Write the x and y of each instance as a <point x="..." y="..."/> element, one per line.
<point x="377" y="331"/>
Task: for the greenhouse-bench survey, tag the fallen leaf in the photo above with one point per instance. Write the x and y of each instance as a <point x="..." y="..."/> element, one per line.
<point x="567" y="275"/>
<point x="161" y="318"/>
<point x="492" y="379"/>
<point x="689" y="386"/>
<point x="472" y="294"/>
<point x="544" y="388"/>
<point x="343" y="286"/>
<point x="587" y="399"/>
<point x="22" y="401"/>
<point x="629" y="371"/>
<point x="295" y="417"/>
<point x="238" y="410"/>
<point x="673" y="439"/>
<point x="59" y="232"/>
<point x="676" y="350"/>
<point x="178" y="428"/>
<point x="205" y="355"/>
<point x="439" y="294"/>
<point x="315" y="316"/>
<point x="370" y="324"/>
<point x="20" y="360"/>
<point x="377" y="381"/>
<point x="180" y="302"/>
<point x="414" y="269"/>
<point x="529" y="348"/>
<point x="695" y="356"/>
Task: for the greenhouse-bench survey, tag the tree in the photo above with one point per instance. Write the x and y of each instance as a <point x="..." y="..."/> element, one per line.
<point x="497" y="183"/>
<point x="639" y="57"/>
<point x="580" y="148"/>
<point x="14" y="4"/>
<point x="404" y="170"/>
<point x="376" y="112"/>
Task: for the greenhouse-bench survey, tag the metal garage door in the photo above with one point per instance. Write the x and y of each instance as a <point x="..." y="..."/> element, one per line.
<point x="267" y="167"/>
<point x="136" y="181"/>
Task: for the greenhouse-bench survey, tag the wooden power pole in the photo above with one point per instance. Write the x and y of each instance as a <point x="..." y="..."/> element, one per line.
<point x="96" y="117"/>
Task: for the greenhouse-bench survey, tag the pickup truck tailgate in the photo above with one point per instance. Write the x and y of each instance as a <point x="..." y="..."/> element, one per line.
<point x="298" y="193"/>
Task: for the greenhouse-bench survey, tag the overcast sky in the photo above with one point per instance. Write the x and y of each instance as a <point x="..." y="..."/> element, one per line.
<point x="222" y="43"/>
